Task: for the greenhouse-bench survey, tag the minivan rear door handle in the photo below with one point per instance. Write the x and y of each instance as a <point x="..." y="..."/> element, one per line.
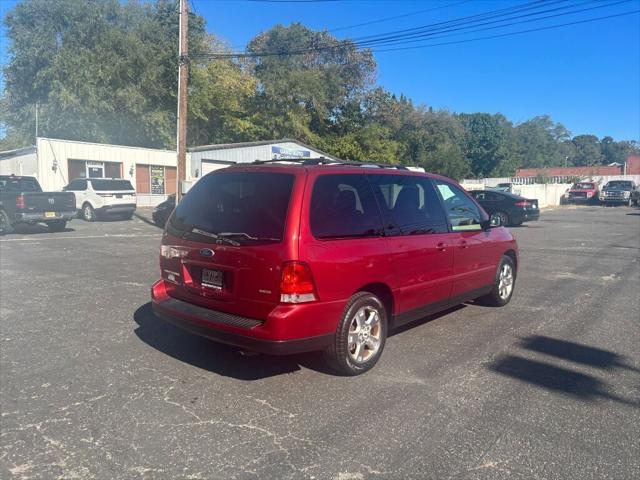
<point x="441" y="246"/>
<point x="463" y="244"/>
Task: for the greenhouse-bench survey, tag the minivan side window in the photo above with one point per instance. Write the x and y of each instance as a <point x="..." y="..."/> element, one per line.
<point x="410" y="204"/>
<point x="463" y="213"/>
<point x="343" y="206"/>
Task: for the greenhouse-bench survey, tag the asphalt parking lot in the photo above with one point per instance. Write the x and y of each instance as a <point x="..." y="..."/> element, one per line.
<point x="93" y="386"/>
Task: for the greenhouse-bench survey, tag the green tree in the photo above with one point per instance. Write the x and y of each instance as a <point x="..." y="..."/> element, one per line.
<point x="486" y="144"/>
<point x="100" y="70"/>
<point x="301" y="95"/>
<point x="588" y="150"/>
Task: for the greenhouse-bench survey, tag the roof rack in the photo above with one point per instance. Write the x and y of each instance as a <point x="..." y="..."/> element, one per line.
<point x="329" y="161"/>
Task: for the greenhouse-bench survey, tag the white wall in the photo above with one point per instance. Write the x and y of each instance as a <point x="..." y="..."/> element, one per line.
<point x="59" y="152"/>
<point x="25" y="164"/>
<point x="547" y="194"/>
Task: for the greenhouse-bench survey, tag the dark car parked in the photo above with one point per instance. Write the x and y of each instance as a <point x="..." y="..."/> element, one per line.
<point x="162" y="211"/>
<point x="513" y="210"/>
<point x="22" y="201"/>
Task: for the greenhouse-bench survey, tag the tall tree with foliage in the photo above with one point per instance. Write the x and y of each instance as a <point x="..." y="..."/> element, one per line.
<point x="100" y="70"/>
<point x="300" y="95"/>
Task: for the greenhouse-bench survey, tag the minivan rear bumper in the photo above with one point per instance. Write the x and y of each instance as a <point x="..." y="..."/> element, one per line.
<point x="238" y="331"/>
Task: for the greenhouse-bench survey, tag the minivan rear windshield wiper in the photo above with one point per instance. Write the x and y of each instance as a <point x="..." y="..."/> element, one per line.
<point x="245" y="235"/>
<point x="215" y="236"/>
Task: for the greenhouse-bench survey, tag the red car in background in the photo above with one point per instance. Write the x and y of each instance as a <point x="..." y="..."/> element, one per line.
<point x="582" y="192"/>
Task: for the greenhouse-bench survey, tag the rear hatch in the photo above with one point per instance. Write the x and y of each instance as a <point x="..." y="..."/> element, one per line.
<point x="115" y="192"/>
<point x="225" y="243"/>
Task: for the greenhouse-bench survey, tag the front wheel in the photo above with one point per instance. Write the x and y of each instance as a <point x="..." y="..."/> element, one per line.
<point x="360" y="337"/>
<point x="57" y="225"/>
<point x="503" y="284"/>
<point x="5" y="223"/>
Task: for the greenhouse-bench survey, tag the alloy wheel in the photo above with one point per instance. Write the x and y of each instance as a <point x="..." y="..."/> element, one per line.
<point x="505" y="285"/>
<point x="365" y="334"/>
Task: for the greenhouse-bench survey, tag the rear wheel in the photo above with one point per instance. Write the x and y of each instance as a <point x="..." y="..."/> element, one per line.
<point x="503" y="284"/>
<point x="57" y="225"/>
<point x="5" y="223"/>
<point x="360" y="336"/>
<point x="504" y="218"/>
<point x="88" y="213"/>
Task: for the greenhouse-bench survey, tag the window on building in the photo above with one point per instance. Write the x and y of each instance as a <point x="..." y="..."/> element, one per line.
<point x="93" y="169"/>
<point x="155" y="179"/>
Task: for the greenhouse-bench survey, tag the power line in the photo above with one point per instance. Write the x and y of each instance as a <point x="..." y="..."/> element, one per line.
<point x="412" y="38"/>
<point x="489" y="14"/>
<point x="386" y="19"/>
<point x="550" y="27"/>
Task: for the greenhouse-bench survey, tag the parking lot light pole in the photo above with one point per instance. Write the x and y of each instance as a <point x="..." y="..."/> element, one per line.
<point x="183" y="78"/>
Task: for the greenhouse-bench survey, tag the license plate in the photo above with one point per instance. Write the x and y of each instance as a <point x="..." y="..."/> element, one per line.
<point x="49" y="214"/>
<point x="212" y="278"/>
<point x="118" y="195"/>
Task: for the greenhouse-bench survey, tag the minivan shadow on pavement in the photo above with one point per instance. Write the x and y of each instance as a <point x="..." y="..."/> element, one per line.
<point x="545" y="374"/>
<point x="215" y="357"/>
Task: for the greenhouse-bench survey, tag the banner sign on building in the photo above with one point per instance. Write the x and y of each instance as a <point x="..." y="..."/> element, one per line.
<point x="157" y="179"/>
<point x="278" y="153"/>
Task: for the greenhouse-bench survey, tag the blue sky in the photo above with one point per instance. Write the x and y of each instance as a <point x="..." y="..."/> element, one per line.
<point x="585" y="76"/>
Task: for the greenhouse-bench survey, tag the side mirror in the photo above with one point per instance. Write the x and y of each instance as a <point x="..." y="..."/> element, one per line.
<point x="64" y="189"/>
<point x="486" y="225"/>
<point x="493" y="222"/>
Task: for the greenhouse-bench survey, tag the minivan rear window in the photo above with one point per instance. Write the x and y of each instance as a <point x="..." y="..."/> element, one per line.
<point x="244" y="208"/>
<point x="110" y="185"/>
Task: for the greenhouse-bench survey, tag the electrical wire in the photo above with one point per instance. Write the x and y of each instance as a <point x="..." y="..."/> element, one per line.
<point x="387" y="19"/>
<point x="412" y="38"/>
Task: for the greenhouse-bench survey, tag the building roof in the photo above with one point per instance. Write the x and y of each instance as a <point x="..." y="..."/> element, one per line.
<point x="223" y="146"/>
<point x="17" y="151"/>
<point x="569" y="171"/>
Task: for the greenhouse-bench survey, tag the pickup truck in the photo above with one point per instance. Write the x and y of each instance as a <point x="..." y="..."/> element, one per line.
<point x="585" y="192"/>
<point x="23" y="201"/>
<point x="618" y="192"/>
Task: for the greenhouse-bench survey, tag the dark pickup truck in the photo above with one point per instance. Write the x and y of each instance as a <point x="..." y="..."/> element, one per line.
<point x="23" y="201"/>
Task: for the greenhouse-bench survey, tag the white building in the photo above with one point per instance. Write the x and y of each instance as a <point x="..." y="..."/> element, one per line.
<point x="208" y="158"/>
<point x="152" y="171"/>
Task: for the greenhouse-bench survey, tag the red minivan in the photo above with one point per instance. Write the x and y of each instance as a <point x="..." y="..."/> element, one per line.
<point x="289" y="257"/>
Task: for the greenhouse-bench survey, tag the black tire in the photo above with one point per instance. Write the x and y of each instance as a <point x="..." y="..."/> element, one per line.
<point x="5" y="223"/>
<point x="88" y="213"/>
<point x="57" y="225"/>
<point x="504" y="218"/>
<point x="340" y="354"/>
<point x="495" y="298"/>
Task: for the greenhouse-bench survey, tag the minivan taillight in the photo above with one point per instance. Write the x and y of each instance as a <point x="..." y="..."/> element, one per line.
<point x="20" y="203"/>
<point x="297" y="284"/>
<point x="522" y="204"/>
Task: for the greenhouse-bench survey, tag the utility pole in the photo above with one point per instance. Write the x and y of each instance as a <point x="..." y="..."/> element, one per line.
<point x="183" y="78"/>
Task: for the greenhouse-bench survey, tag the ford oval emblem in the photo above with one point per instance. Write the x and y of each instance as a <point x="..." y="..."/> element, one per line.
<point x="206" y="252"/>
